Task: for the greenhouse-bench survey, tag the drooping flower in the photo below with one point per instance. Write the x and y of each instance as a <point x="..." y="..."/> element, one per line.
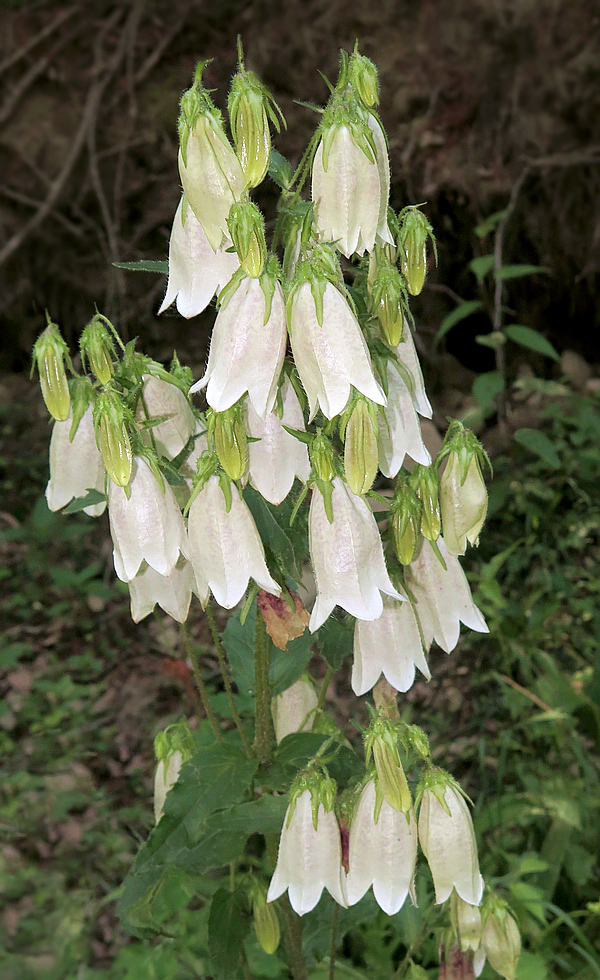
<point x="347" y="557"/>
<point x="163" y="398"/>
<point x="406" y="353"/>
<point x="278" y="457"/>
<point x="225" y="547"/>
<point x="382" y="853"/>
<point x="443" y="597"/>
<point x="173" y="592"/>
<point x="294" y="709"/>
<point x="329" y="349"/>
<point x="147" y="526"/>
<point x="399" y="429"/>
<point x="196" y="271"/>
<point x="75" y="466"/>
<point x="390" y="645"/>
<point x="500" y="941"/>
<point x="172" y="747"/>
<point x="309" y="858"/>
<point x="448" y="841"/>
<point x="247" y="347"/>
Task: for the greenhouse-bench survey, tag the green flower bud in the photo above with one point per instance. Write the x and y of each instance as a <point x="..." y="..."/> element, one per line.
<point x="97" y="347"/>
<point x="266" y="922"/>
<point x="250" y="108"/>
<point x="412" y="244"/>
<point x="172" y="747"/>
<point x="110" y="417"/>
<point x="360" y="448"/>
<point x="231" y="441"/>
<point x="321" y="457"/>
<point x="381" y="741"/>
<point x="363" y="75"/>
<point x="387" y="302"/>
<point x="463" y="495"/>
<point x="424" y="482"/>
<point x="50" y="351"/>
<point x="247" y="229"/>
<point x="501" y="941"/>
<point x="406" y="511"/>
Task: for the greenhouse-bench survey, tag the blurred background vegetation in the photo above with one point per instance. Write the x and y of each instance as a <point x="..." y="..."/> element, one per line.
<point x="487" y="103"/>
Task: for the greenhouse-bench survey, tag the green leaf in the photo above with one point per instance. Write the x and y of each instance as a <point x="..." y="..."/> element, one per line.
<point x="228" y="925"/>
<point x="486" y="387"/>
<point x="538" y="442"/>
<point x="481" y="266"/>
<point x="145" y="265"/>
<point x="295" y="752"/>
<point x="280" y="170"/>
<point x="335" y="640"/>
<point x="488" y="224"/>
<point x="459" y="313"/>
<point x="288" y="545"/>
<point x="531" y="967"/>
<point x="78" y="503"/>
<point x="531" y="339"/>
<point x="514" y="271"/>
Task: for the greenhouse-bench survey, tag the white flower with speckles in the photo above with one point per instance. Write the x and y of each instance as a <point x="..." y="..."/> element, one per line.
<point x="390" y="645"/>
<point x="173" y="592"/>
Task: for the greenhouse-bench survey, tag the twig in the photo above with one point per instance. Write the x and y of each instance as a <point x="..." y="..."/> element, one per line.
<point x="32" y="202"/>
<point x="27" y="80"/>
<point x="523" y="690"/>
<point x="323" y="688"/>
<point x="334" y="932"/>
<point x="31" y="43"/>
<point x="226" y="680"/>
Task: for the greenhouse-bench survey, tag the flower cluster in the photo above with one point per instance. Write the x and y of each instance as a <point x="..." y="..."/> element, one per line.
<point x="311" y="388"/>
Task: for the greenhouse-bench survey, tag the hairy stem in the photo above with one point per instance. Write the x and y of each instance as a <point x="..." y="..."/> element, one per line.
<point x="334" y="935"/>
<point x="227" y="680"/>
<point x="191" y="652"/>
<point x="262" y="691"/>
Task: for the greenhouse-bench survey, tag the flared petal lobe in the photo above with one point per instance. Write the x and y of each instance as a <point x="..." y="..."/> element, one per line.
<point x="448" y="842"/>
<point x="162" y="398"/>
<point x="399" y="428"/>
<point x="390" y="645"/>
<point x="278" y="458"/>
<point x="173" y="592"/>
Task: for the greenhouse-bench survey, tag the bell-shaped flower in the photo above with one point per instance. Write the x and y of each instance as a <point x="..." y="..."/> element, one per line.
<point x="500" y="942"/>
<point x="173" y="592"/>
<point x="329" y="349"/>
<point x="448" y="841"/>
<point x="294" y="709"/>
<point x="196" y="271"/>
<point x="247" y="347"/>
<point x="161" y="398"/>
<point x="347" y="557"/>
<point x="225" y="547"/>
<point x="173" y="746"/>
<point x="210" y="172"/>
<point x="382" y="853"/>
<point x="309" y="858"/>
<point x="399" y="429"/>
<point x="406" y="353"/>
<point x="75" y="466"/>
<point x="147" y="525"/>
<point x="390" y="645"/>
<point x="278" y="457"/>
<point x="463" y="500"/>
<point x="443" y="597"/>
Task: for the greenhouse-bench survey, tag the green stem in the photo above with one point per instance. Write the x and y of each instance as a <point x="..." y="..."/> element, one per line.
<point x="323" y="688"/>
<point x="262" y="691"/>
<point x="190" y="651"/>
<point x="334" y="934"/>
<point x="227" y="681"/>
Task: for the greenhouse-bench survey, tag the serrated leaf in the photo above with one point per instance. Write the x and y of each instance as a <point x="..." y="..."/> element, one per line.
<point x="481" y="265"/>
<point x="228" y="925"/>
<point x="522" y="269"/>
<point x="280" y="170"/>
<point x="538" y="442"/>
<point x="286" y="665"/>
<point x="486" y="387"/>
<point x="461" y="312"/>
<point x="527" y="337"/>
<point x="145" y="265"/>
<point x="78" y="503"/>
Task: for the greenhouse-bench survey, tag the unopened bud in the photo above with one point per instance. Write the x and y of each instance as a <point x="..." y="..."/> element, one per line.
<point x="412" y="243"/>
<point x="466" y="922"/>
<point x="250" y="108"/>
<point x="172" y="747"/>
<point x="381" y="741"/>
<point x="112" y="436"/>
<point x="231" y="442"/>
<point x="247" y="230"/>
<point x="98" y="349"/>
<point x="463" y="494"/>
<point x="360" y="447"/>
<point x="387" y="295"/>
<point x="406" y="512"/>
<point x="362" y="73"/>
<point x="424" y="482"/>
<point x="266" y="922"/>
<point x="501" y="942"/>
<point x="321" y="457"/>
<point x="50" y="351"/>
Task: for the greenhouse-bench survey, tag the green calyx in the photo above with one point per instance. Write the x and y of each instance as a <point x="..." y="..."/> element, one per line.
<point x="364" y="77"/>
<point x="381" y="742"/>
<point x="425" y="484"/>
<point x="196" y="103"/>
<point x="111" y="418"/>
<point x="321" y="787"/>
<point x="247" y="229"/>
<point x="50" y="353"/>
<point x="227" y="433"/>
<point x="251" y="107"/>
<point x="389" y="302"/>
<point x="466" y="447"/>
<point x="437" y="781"/>
<point x="358" y="430"/>
<point x="175" y="738"/>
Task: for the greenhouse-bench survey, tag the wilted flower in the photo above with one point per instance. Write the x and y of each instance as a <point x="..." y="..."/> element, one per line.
<point x="390" y="645"/>
<point x="294" y="709"/>
<point x="283" y="622"/>
<point x="247" y="347"/>
<point x="399" y="429"/>
<point x="278" y="457"/>
<point x="75" y="465"/>
<point x="448" y="841"/>
<point x="225" y="547"/>
<point x="310" y="857"/>
<point x="196" y="271"/>
<point x="443" y="597"/>
<point x="382" y="852"/>
<point x="147" y="525"/>
<point x="329" y="349"/>
<point x="163" y="398"/>
<point x="347" y="557"/>
<point x="173" y="592"/>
